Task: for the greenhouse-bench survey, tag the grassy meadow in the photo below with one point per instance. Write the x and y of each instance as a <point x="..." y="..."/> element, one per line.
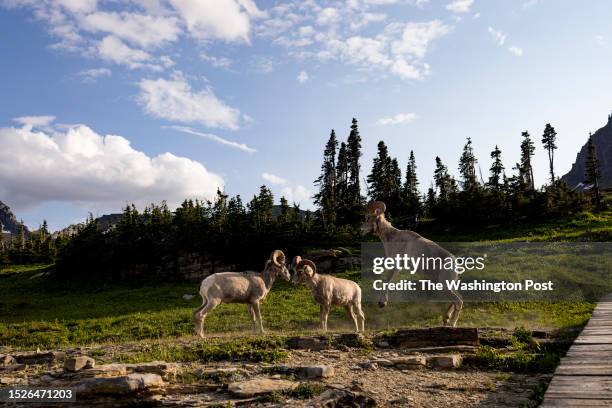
<point x="37" y="310"/>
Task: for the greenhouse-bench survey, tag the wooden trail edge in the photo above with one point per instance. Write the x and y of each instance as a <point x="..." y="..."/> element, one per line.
<point x="584" y="376"/>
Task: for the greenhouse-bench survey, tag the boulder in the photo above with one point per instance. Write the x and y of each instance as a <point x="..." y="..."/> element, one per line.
<point x="12" y="367"/>
<point x="78" y="363"/>
<point x="128" y="384"/>
<point x="450" y="361"/>
<point x="259" y="386"/>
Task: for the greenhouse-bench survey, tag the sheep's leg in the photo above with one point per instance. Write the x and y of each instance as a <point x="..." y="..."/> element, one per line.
<point x="201" y="315"/>
<point x="351" y="312"/>
<point x="454" y="309"/>
<point x="323" y="313"/>
<point x="457" y="310"/>
<point x="198" y="319"/>
<point x="360" y="315"/>
<point x="257" y="311"/>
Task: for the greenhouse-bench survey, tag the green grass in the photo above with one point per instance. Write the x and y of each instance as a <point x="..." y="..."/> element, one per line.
<point x="38" y="310"/>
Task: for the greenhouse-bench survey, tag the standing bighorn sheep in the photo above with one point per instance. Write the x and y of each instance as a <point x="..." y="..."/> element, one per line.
<point x="240" y="287"/>
<point x="400" y="242"/>
<point x="329" y="290"/>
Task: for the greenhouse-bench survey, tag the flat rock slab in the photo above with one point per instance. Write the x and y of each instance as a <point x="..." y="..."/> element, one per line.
<point x="128" y="384"/>
<point x="450" y="361"/>
<point x="260" y="386"/>
<point x="433" y="337"/>
<point x="39" y="358"/>
<point x="315" y="343"/>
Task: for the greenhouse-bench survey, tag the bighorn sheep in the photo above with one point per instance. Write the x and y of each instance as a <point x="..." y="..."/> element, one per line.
<point x="240" y="287"/>
<point x="328" y="290"/>
<point x="400" y="242"/>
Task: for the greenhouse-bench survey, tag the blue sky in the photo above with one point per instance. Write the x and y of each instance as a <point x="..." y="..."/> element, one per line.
<point x="106" y="102"/>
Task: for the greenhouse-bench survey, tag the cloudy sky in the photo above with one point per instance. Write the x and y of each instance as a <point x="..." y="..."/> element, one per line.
<point x="107" y="101"/>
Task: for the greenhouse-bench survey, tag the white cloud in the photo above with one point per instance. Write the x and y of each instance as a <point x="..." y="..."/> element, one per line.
<point x="92" y="75"/>
<point x="302" y="77"/>
<point x="78" y="6"/>
<point x="398" y="119"/>
<point x="417" y="37"/>
<point x="273" y="179"/>
<point x="601" y="41"/>
<point x="138" y="29"/>
<point x="263" y="65"/>
<point x="293" y="193"/>
<point x="214" y="138"/>
<point x="219" y="62"/>
<point x="297" y="194"/>
<point x="34" y="121"/>
<point x="460" y="6"/>
<point x="173" y="99"/>
<point x="114" y="50"/>
<point x="328" y="15"/>
<point x="227" y="20"/>
<point x="518" y="51"/>
<point x="78" y="165"/>
<point x="498" y="36"/>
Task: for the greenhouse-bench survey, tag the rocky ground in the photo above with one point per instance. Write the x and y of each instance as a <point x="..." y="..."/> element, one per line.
<point x="331" y="377"/>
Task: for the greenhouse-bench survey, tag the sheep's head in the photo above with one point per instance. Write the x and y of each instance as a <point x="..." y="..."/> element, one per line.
<point x="276" y="263"/>
<point x="294" y="263"/>
<point x="304" y="269"/>
<point x="375" y="213"/>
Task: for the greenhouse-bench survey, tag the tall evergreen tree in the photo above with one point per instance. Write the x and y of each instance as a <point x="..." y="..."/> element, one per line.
<point x="549" y="138"/>
<point x="593" y="172"/>
<point x="443" y="181"/>
<point x="411" y="183"/>
<point x="467" y="167"/>
<point x="342" y="172"/>
<point x="284" y="210"/>
<point x="525" y="168"/>
<point x="496" y="170"/>
<point x="326" y="198"/>
<point x="353" y="151"/>
<point x="378" y="179"/>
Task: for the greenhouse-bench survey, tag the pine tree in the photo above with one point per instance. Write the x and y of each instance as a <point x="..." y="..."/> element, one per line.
<point x="525" y="168"/>
<point x="326" y="198"/>
<point x="284" y="210"/>
<point x="342" y="171"/>
<point x="353" y="151"/>
<point x="548" y="140"/>
<point x="496" y="170"/>
<point x="385" y="180"/>
<point x="378" y="183"/>
<point x="443" y="181"/>
<point x="430" y="200"/>
<point x="467" y="167"/>
<point x="593" y="172"/>
<point x="21" y="236"/>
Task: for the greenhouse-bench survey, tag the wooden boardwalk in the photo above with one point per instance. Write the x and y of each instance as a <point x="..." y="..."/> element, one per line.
<point x="584" y="376"/>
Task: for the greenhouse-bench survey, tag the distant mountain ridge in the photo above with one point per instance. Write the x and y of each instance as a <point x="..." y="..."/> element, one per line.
<point x="8" y="220"/>
<point x="602" y="139"/>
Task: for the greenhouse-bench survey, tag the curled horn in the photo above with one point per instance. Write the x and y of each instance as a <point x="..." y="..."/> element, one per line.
<point x="306" y="262"/>
<point x="376" y="207"/>
<point x="278" y="257"/>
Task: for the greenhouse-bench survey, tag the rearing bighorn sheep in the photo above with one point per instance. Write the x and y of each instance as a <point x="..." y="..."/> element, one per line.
<point x="328" y="290"/>
<point x="240" y="287"/>
<point x="400" y="242"/>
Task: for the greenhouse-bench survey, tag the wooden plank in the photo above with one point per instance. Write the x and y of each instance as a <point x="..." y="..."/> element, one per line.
<point x="574" y="402"/>
<point x="584" y="369"/>
<point x="584" y="376"/>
